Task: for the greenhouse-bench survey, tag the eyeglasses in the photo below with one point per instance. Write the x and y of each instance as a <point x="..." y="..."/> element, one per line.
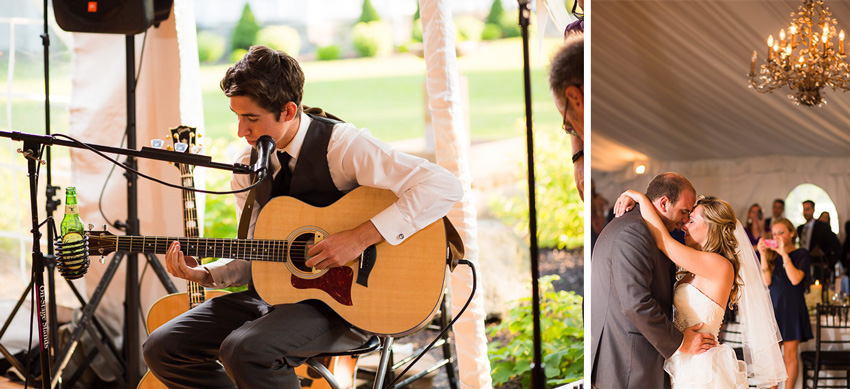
<point x="568" y="129"/>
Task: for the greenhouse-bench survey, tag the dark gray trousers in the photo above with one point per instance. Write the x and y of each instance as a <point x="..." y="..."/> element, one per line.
<point x="258" y="345"/>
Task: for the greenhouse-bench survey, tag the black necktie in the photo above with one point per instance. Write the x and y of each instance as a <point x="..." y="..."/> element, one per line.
<point x="282" y="180"/>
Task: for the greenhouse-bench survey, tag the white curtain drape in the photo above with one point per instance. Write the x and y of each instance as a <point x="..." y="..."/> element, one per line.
<point x="452" y="145"/>
<point x="165" y="98"/>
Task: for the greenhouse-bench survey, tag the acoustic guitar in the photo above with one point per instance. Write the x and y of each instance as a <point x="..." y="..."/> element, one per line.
<point x="174" y="304"/>
<point x="387" y="290"/>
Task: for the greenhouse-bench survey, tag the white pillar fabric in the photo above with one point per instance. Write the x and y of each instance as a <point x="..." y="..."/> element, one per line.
<point x="452" y="145"/>
<point x="98" y="115"/>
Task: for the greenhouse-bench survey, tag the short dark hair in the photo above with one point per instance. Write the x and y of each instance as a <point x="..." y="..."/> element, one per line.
<point x="810" y="202"/>
<point x="780" y="201"/>
<point x="270" y="77"/>
<point x="567" y="67"/>
<point x="669" y="185"/>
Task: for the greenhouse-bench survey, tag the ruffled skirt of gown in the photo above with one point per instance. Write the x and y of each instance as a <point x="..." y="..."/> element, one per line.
<point x="716" y="368"/>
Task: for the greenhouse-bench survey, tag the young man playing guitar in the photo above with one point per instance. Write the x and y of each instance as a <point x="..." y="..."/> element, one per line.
<point x="259" y="344"/>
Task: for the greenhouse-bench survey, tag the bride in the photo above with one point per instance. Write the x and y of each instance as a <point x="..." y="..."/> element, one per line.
<point x="717" y="269"/>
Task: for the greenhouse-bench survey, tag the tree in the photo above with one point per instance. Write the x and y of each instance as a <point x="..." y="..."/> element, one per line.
<point x="245" y="32"/>
<point x="368" y="14"/>
<point x="496" y="12"/>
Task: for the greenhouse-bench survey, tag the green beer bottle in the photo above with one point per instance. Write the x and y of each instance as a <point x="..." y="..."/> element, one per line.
<point x="74" y="262"/>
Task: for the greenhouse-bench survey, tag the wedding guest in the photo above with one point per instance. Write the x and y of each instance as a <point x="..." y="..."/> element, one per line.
<point x="578" y="25"/>
<point x="566" y="82"/>
<point x="817" y="237"/>
<point x="777" y="211"/>
<point x="845" y="256"/>
<point x="785" y="270"/>
<point x="755" y="223"/>
<point x="824" y="217"/>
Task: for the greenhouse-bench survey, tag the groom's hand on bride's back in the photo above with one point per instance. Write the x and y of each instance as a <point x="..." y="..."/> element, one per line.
<point x="696" y="342"/>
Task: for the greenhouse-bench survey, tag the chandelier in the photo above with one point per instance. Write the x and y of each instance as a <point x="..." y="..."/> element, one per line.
<point x="805" y="59"/>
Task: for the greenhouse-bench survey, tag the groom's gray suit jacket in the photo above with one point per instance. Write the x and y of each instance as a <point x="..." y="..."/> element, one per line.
<point x="632" y="330"/>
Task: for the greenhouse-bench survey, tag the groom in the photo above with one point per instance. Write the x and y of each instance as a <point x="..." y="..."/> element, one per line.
<point x="632" y="330"/>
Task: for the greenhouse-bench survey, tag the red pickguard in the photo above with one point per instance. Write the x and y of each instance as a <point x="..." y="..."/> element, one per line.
<point x="335" y="282"/>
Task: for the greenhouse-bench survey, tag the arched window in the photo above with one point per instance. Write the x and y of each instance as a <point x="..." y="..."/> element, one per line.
<point x="823" y="203"/>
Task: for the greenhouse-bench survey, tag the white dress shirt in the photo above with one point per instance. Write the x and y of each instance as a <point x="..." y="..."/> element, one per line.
<point x="426" y="191"/>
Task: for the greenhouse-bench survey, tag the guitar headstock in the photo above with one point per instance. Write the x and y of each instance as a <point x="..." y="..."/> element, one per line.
<point x="185" y="139"/>
<point x="101" y="242"/>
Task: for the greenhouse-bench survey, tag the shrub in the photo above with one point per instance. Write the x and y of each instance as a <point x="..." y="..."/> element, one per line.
<point x="237" y="54"/>
<point x="491" y="32"/>
<point x="561" y="225"/>
<point x="468" y="28"/>
<point x="372" y="39"/>
<point x="283" y="38"/>
<point x="368" y="13"/>
<point x="561" y="335"/>
<point x="510" y="25"/>
<point x="245" y="32"/>
<point x="328" y="53"/>
<point x="210" y="47"/>
<point x="496" y="12"/>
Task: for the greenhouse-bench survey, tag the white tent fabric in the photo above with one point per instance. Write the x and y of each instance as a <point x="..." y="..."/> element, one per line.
<point x="669" y="90"/>
<point x="98" y="115"/>
<point x="452" y="145"/>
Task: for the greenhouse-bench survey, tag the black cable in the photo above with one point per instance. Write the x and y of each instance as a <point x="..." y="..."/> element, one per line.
<point x="141" y="58"/>
<point x="103" y="190"/>
<point x="125" y="167"/>
<point x="451" y="323"/>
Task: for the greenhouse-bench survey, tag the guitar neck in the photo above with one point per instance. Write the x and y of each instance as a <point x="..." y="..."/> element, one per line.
<point x="194" y="290"/>
<point x="252" y="250"/>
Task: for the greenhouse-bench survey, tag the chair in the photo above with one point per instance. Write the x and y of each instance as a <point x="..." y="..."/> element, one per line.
<point x="831" y="353"/>
<point x="384" y="373"/>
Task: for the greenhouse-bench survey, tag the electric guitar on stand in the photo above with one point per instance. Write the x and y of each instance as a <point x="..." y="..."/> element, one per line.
<point x="175" y="304"/>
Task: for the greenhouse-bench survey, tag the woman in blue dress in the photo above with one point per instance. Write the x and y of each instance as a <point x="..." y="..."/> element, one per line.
<point x="785" y="270"/>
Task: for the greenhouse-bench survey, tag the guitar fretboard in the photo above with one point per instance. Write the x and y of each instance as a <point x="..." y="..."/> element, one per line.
<point x="194" y="290"/>
<point x="252" y="250"/>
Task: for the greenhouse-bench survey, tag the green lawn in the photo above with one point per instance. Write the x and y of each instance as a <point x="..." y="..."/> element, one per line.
<point x="386" y="95"/>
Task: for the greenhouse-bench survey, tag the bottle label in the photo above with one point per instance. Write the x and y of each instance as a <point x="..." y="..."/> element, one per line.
<point x="72" y="262"/>
<point x="71" y="209"/>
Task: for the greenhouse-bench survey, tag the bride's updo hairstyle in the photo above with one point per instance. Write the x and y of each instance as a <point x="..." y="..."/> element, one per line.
<point x="721" y="222"/>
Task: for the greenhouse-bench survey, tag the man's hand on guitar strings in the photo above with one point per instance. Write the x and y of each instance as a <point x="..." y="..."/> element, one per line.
<point x="184" y="266"/>
<point x="343" y="247"/>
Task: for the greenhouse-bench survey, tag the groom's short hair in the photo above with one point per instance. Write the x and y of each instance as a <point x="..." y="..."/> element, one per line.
<point x="669" y="185"/>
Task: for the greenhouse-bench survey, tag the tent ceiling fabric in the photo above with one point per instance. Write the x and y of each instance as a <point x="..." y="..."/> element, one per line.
<point x="668" y="81"/>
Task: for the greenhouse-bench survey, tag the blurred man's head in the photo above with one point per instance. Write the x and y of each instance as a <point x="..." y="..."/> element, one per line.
<point x="778" y="208"/>
<point x="808" y="210"/>
<point x="566" y="81"/>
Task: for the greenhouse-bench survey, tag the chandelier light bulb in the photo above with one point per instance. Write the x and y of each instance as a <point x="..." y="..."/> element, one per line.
<point x="770" y="41"/>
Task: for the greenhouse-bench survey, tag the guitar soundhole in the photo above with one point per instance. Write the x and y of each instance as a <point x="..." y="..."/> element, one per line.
<point x="298" y="252"/>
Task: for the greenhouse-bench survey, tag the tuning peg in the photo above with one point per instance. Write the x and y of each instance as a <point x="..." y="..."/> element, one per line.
<point x="175" y="136"/>
<point x="169" y="148"/>
<point x="200" y="135"/>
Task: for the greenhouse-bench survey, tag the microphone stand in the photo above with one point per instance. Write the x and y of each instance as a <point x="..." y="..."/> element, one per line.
<point x="538" y="378"/>
<point x="31" y="151"/>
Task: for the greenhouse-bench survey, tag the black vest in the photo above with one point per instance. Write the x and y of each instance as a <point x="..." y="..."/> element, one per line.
<point x="311" y="179"/>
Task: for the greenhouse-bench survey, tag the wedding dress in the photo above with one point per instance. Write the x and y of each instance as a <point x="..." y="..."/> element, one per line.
<point x="716" y="368"/>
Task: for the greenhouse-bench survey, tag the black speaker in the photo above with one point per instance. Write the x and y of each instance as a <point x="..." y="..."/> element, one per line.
<point x="126" y="17"/>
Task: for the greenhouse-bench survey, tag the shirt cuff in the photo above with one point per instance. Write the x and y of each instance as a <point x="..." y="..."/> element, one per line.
<point x="391" y="225"/>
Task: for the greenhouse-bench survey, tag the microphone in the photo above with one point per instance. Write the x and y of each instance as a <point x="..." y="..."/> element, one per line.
<point x="265" y="146"/>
